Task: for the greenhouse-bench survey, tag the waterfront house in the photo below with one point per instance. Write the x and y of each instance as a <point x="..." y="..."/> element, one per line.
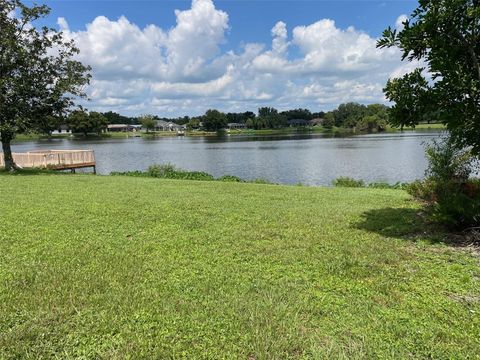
<point x="231" y="126"/>
<point x="121" y="128"/>
<point x="298" y="123"/>
<point x="317" y="122"/>
<point x="162" y="125"/>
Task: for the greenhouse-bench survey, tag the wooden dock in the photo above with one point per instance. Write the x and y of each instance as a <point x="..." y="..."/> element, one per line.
<point x="54" y="159"/>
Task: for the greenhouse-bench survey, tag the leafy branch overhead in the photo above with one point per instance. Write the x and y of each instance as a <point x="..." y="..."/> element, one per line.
<point x="442" y="36"/>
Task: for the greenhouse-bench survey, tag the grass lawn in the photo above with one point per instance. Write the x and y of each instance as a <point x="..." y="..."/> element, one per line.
<point x="123" y="267"/>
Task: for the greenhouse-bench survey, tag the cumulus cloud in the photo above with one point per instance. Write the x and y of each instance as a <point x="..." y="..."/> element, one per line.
<point x="400" y="20"/>
<point x="182" y="70"/>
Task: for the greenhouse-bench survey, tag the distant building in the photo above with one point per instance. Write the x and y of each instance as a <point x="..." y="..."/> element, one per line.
<point x="122" y="128"/>
<point x="317" y="122"/>
<point x="162" y="125"/>
<point x="298" y="122"/>
<point x="236" y="126"/>
<point x="64" y="128"/>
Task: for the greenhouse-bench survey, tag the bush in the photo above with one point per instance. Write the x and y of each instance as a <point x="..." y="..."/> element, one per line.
<point x="347" y="182"/>
<point x="230" y="178"/>
<point x="422" y="190"/>
<point x="193" y="175"/>
<point x="453" y="198"/>
<point x="169" y="171"/>
<point x="385" y="185"/>
<point x="162" y="170"/>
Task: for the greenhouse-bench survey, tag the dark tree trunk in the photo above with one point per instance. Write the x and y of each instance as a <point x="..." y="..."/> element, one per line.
<point x="7" y="153"/>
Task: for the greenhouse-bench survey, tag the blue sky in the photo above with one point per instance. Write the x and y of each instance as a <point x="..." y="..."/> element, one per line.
<point x="233" y="55"/>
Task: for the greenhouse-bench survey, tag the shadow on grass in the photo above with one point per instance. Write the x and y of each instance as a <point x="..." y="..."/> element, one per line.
<point x="33" y="171"/>
<point x="400" y="223"/>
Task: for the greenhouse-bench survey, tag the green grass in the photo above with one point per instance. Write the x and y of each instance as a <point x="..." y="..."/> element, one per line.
<point x="430" y="126"/>
<point x="422" y="126"/>
<point x="123" y="267"/>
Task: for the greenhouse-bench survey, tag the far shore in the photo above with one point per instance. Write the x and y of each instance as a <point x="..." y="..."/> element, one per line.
<point x="236" y="132"/>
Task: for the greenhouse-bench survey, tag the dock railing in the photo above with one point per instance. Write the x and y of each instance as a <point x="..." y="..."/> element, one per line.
<point x="53" y="159"/>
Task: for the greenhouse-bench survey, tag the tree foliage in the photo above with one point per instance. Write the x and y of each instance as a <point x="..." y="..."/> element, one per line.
<point x="352" y="115"/>
<point x="148" y="122"/>
<point x="444" y="35"/>
<point x="116" y="118"/>
<point x="269" y="118"/>
<point x="82" y="122"/>
<point x="303" y="114"/>
<point x="39" y="78"/>
<point x="240" y="117"/>
<point x="214" y="120"/>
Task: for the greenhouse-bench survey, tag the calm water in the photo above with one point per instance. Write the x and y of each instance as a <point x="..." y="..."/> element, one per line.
<point x="290" y="159"/>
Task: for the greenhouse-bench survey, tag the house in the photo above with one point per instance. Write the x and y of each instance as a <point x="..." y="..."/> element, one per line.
<point x="231" y="126"/>
<point x="298" y="122"/>
<point x="317" y="122"/>
<point x="120" y="128"/>
<point x="162" y="125"/>
<point x="64" y="128"/>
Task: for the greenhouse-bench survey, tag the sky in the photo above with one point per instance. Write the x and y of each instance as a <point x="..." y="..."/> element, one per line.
<point x="175" y="58"/>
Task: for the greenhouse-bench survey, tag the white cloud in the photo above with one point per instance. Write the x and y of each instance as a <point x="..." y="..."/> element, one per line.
<point x="279" y="42"/>
<point x="400" y="20"/>
<point x="62" y="23"/>
<point x="182" y="70"/>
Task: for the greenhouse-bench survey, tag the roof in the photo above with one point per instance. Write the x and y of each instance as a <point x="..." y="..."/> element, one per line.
<point x="118" y="126"/>
<point x="298" y="121"/>
<point x="161" y="123"/>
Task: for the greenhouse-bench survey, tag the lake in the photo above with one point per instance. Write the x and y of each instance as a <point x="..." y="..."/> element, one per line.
<point x="310" y="159"/>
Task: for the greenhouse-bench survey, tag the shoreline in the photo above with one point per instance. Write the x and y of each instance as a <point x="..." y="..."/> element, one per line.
<point x="283" y="131"/>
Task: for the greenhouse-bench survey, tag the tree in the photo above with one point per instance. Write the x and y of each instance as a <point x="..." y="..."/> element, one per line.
<point x="147" y="122"/>
<point x="371" y="123"/>
<point x="304" y="114"/>
<point x="445" y="36"/>
<point x="115" y="118"/>
<point x="38" y="76"/>
<point x="214" y="120"/>
<point x="347" y="115"/>
<point x="270" y="118"/>
<point x="80" y="121"/>
<point x="329" y="121"/>
<point x="98" y="122"/>
<point x="194" y="123"/>
<point x="47" y="124"/>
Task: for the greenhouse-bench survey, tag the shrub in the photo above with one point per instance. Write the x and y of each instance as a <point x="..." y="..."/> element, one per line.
<point x="385" y="185"/>
<point x="446" y="162"/>
<point x="453" y="198"/>
<point x="422" y="190"/>
<point x="230" y="178"/>
<point x="169" y="171"/>
<point x="192" y="175"/>
<point x="162" y="170"/>
<point x="347" y="182"/>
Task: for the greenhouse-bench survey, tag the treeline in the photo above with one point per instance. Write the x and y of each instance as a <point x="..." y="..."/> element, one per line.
<point x="351" y="115"/>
